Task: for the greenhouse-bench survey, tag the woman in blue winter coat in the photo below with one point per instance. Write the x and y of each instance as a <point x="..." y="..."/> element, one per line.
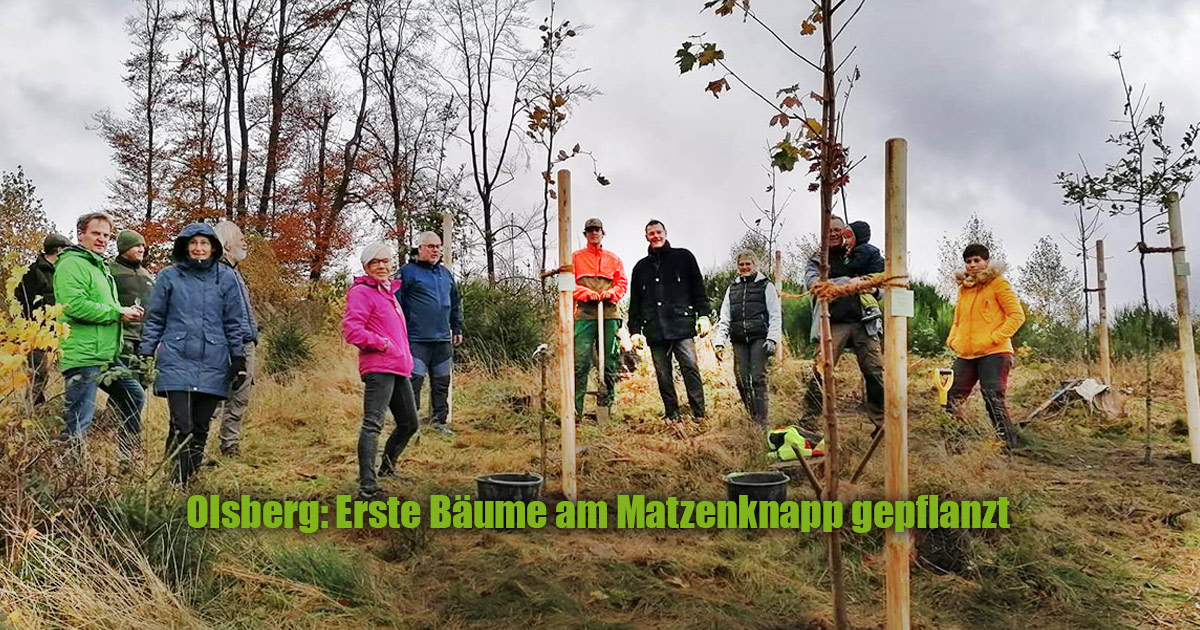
<point x="195" y="323"/>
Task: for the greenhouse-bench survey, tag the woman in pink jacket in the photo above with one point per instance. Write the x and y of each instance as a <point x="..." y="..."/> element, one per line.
<point x="375" y="325"/>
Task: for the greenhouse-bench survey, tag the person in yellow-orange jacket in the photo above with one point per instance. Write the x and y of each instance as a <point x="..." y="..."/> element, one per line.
<point x="987" y="315"/>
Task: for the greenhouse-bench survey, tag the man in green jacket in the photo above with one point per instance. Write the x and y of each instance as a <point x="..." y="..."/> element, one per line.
<point x="91" y="350"/>
<point x="35" y="292"/>
<point x="134" y="284"/>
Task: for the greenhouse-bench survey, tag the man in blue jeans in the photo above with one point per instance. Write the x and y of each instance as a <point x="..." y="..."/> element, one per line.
<point x="433" y="313"/>
<point x="91" y="350"/>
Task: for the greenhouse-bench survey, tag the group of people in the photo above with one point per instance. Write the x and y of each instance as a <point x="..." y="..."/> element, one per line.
<point x="191" y="327"/>
<point x="194" y="323"/>
<point x="668" y="306"/>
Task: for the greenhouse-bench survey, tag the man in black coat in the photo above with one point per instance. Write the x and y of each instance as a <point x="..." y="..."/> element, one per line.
<point x="36" y="290"/>
<point x="666" y="296"/>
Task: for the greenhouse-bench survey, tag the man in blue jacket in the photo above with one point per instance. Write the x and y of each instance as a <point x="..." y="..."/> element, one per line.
<point x="433" y="312"/>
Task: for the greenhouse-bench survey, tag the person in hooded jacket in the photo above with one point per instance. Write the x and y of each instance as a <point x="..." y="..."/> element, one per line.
<point x="374" y="323"/>
<point x="986" y="316"/>
<point x="751" y="317"/>
<point x="35" y="291"/>
<point x="195" y="325"/>
<point x="854" y="320"/>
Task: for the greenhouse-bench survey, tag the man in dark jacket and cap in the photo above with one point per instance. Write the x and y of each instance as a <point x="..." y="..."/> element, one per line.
<point x="134" y="285"/>
<point x="666" y="296"/>
<point x="36" y="290"/>
<point x="854" y="320"/>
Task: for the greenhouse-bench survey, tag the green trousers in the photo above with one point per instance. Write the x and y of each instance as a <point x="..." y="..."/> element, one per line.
<point x="586" y="354"/>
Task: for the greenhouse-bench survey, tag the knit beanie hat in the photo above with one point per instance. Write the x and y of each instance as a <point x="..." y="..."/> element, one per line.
<point x="55" y="242"/>
<point x="128" y="239"/>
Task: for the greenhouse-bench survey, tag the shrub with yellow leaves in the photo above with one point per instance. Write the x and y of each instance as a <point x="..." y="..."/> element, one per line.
<point x="20" y="336"/>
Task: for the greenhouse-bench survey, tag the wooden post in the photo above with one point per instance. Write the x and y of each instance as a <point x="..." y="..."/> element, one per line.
<point x="1102" y="297"/>
<point x="897" y="305"/>
<point x="1183" y="311"/>
<point x="779" y="292"/>
<point x="566" y="336"/>
<point x="447" y="260"/>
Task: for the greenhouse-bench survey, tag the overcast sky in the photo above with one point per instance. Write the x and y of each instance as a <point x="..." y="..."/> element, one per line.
<point x="994" y="98"/>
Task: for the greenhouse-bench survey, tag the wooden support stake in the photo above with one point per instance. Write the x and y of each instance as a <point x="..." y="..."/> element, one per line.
<point x="447" y="260"/>
<point x="1183" y="311"/>
<point x="897" y="545"/>
<point x="566" y="336"/>
<point x="1102" y="297"/>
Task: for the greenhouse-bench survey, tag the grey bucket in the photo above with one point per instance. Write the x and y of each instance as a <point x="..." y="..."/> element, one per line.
<point x="757" y="486"/>
<point x="509" y="487"/>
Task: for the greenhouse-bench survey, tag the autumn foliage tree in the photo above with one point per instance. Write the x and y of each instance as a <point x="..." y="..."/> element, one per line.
<point x="23" y="223"/>
<point x="818" y="141"/>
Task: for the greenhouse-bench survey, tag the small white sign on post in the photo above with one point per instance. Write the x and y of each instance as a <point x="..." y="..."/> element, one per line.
<point x="566" y="282"/>
<point x="1183" y="269"/>
<point x="901" y="303"/>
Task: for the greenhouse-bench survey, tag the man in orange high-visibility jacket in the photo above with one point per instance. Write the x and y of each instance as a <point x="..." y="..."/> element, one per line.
<point x="599" y="277"/>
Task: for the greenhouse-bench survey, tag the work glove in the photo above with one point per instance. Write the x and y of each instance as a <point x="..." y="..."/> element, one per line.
<point x="703" y="326"/>
<point x="638" y="341"/>
<point x="769" y="346"/>
<point x="237" y="368"/>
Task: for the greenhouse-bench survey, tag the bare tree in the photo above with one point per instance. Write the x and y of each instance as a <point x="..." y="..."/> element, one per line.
<point x="195" y="192"/>
<point x="302" y="30"/>
<point x="358" y="46"/>
<point x="140" y="151"/>
<point x="491" y="77"/>
<point x="219" y="24"/>
<point x="246" y="38"/>
<point x="1087" y="225"/>
<point x="769" y="224"/>
<point x="408" y="128"/>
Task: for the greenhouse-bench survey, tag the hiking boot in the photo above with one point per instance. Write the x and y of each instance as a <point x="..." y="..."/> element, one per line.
<point x="441" y="427"/>
<point x="369" y="495"/>
<point x="395" y="478"/>
<point x="230" y="450"/>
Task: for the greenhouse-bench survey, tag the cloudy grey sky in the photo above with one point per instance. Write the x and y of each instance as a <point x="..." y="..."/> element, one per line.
<point x="994" y="98"/>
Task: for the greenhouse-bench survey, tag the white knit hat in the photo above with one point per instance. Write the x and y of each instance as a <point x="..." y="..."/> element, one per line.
<point x="378" y="249"/>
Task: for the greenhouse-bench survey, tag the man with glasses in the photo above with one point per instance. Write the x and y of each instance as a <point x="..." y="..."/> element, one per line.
<point x="433" y="314"/>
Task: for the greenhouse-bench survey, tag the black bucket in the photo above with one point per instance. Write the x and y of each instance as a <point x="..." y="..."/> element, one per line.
<point x="757" y="486"/>
<point x="509" y="487"/>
